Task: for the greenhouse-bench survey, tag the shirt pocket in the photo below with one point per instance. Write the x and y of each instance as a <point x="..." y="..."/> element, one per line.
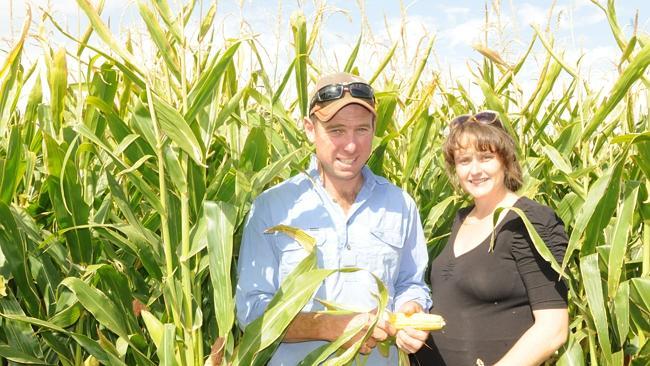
<point x="291" y="252"/>
<point x="381" y="253"/>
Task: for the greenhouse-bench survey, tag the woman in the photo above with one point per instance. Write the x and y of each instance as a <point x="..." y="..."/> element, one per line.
<point x="506" y="306"/>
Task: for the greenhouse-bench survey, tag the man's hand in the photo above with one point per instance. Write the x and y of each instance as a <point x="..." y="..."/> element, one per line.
<point x="381" y="332"/>
<point x="408" y="339"/>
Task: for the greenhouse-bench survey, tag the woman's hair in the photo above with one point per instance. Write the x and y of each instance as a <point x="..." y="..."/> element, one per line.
<point x="485" y="137"/>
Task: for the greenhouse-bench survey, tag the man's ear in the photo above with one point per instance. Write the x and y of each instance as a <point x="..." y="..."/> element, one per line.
<point x="309" y="129"/>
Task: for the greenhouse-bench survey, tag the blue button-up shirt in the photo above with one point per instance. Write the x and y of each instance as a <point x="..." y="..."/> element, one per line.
<point x="381" y="232"/>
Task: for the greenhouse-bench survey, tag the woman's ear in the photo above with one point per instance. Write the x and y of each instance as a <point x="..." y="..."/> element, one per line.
<point x="310" y="128"/>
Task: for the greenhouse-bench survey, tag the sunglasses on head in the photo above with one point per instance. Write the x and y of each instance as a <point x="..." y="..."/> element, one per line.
<point x="336" y="91"/>
<point x="484" y="118"/>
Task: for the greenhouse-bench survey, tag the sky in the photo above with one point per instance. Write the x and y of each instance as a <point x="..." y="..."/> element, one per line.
<point x="580" y="31"/>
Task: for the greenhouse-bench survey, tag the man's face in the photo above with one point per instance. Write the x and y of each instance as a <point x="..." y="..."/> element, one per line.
<point x="343" y="143"/>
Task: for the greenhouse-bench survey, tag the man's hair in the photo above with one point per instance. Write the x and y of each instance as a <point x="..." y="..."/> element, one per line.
<point x="484" y="137"/>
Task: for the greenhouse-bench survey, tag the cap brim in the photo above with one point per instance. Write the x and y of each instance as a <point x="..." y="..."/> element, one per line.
<point x="325" y="111"/>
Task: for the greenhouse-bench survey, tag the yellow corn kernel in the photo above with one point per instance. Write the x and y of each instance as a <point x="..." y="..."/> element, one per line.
<point x="421" y="321"/>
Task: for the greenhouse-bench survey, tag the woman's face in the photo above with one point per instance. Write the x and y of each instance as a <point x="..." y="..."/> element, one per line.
<point x="480" y="173"/>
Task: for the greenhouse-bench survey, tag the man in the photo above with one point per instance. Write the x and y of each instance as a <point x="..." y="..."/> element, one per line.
<point x="358" y="219"/>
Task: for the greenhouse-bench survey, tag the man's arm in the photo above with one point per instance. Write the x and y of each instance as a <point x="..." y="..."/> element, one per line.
<point x="411" y="293"/>
<point x="311" y="326"/>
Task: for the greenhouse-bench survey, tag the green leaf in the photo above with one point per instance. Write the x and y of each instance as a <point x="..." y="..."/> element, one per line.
<point x="595" y="195"/>
<point x="12" y="168"/>
<point x="220" y="218"/>
<point x="20" y="336"/>
<point x="255" y="154"/>
<point x="594" y="292"/>
<point x="166" y="352"/>
<point x="14" y="249"/>
<point x="299" y="30"/>
<point x="538" y="242"/>
<point x="353" y="55"/>
<point x="624" y="223"/>
<point x="202" y="91"/>
<point x="173" y="125"/>
<point x="622" y="312"/>
<point x="630" y="75"/>
<point x="99" y="305"/>
<point x="10" y="353"/>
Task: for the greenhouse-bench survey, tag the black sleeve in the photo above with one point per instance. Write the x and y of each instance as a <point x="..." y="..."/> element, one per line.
<point x="545" y="289"/>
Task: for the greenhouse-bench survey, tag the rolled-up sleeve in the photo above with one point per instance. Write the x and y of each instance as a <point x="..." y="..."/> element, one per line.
<point x="257" y="268"/>
<point x="410" y="285"/>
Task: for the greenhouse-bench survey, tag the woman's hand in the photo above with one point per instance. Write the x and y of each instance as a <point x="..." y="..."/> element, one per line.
<point x="408" y="339"/>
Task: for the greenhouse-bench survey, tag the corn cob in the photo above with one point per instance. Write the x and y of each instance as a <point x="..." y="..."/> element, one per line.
<point x="420" y="321"/>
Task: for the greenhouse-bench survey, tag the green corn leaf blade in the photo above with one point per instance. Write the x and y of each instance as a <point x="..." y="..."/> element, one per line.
<point x="174" y="126"/>
<point x="273" y="170"/>
<point x="416" y="146"/>
<point x="201" y="92"/>
<point x="605" y="210"/>
<point x="208" y="20"/>
<point x="104" y="87"/>
<point x="299" y="30"/>
<point x="320" y="354"/>
<point x="166" y="351"/>
<point x="382" y="301"/>
<point x="168" y="17"/>
<point x="385" y="111"/>
<point x="16" y="51"/>
<point x="571" y="353"/>
<point x="557" y="160"/>
<point x="596" y="193"/>
<point x="417" y="75"/>
<point x="594" y="292"/>
<point x="88" y="344"/>
<point x="68" y="316"/>
<point x="104" y="33"/>
<point x="13" y="167"/>
<point x="99" y="305"/>
<point x="624" y="223"/>
<point x="278" y="92"/>
<point x="14" y="355"/>
<point x="640" y="293"/>
<point x="89" y="31"/>
<point x="167" y="51"/>
<point x="538" y="242"/>
<point x="353" y="55"/>
<point x="293" y="295"/>
<point x="116" y="288"/>
<point x="630" y="75"/>
<point x="255" y="154"/>
<point x="436" y="213"/>
<point x="384" y="63"/>
<point x="58" y="82"/>
<point x="174" y="170"/>
<point x="632" y="138"/>
<point x="220" y="220"/>
<point x="154" y="327"/>
<point x="622" y="312"/>
<point x="13" y="248"/>
<point x="307" y="241"/>
<point x="20" y="336"/>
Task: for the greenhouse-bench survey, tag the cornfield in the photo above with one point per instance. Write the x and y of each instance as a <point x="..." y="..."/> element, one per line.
<point x="125" y="181"/>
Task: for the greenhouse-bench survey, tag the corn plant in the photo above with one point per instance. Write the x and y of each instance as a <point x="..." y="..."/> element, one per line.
<point x="122" y="197"/>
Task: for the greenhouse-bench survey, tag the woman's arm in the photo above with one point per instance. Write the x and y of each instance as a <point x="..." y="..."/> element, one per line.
<point x="539" y="342"/>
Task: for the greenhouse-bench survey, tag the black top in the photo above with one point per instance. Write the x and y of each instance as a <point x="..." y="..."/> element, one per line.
<point x="487" y="298"/>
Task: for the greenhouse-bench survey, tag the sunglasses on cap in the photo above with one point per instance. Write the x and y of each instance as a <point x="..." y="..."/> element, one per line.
<point x="336" y="91"/>
<point x="484" y="118"/>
